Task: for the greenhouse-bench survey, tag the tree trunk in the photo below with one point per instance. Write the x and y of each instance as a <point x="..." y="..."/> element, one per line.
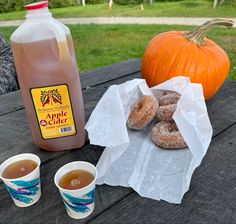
<point x="110" y="4"/>
<point x="215" y="3"/>
<point x="150" y="1"/>
<point x="221" y="2"/>
<point x="83" y="2"/>
<point x="141" y="7"/>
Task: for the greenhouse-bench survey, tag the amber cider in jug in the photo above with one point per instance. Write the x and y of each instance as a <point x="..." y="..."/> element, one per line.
<point x="46" y="68"/>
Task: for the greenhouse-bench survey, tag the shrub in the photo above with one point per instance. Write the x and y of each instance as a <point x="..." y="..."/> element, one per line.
<point x="95" y="1"/>
<point x="127" y="2"/>
<point x="168" y="0"/>
<point x="225" y="2"/>
<point x="230" y="2"/>
<point x="13" y="5"/>
<point x="61" y="3"/>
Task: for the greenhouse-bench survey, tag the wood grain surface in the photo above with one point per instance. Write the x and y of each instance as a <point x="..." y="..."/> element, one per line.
<point x="210" y="199"/>
<point x="212" y="194"/>
<point x="12" y="101"/>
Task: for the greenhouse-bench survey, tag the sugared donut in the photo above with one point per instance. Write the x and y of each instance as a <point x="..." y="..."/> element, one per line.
<point x="158" y="93"/>
<point x="165" y="113"/>
<point x="171" y="98"/>
<point x="143" y="112"/>
<point x="166" y="135"/>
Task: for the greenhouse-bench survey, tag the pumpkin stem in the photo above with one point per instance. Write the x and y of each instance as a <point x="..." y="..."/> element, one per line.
<point x="197" y="35"/>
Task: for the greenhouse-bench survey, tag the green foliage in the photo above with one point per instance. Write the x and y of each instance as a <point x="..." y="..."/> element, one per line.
<point x="189" y="4"/>
<point x="168" y="0"/>
<point x="61" y="3"/>
<point x="13" y="5"/>
<point x="230" y="2"/>
<point x="224" y="2"/>
<point x="128" y="2"/>
<point x="186" y="8"/>
<point x="95" y="1"/>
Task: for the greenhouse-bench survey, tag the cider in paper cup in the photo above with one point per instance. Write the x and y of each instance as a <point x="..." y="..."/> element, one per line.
<point x="25" y="190"/>
<point x="79" y="203"/>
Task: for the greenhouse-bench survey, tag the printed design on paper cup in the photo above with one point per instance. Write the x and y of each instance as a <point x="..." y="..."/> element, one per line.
<point x="24" y="189"/>
<point x="79" y="204"/>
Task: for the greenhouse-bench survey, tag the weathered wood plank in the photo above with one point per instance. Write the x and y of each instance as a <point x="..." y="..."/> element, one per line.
<point x="109" y="73"/>
<point x="211" y="198"/>
<point x="22" y="143"/>
<point x="17" y="139"/>
<point x="15" y="136"/>
<point x="12" y="101"/>
<point x="50" y="208"/>
<point x="203" y="186"/>
<point x="221" y="108"/>
<point x="58" y="207"/>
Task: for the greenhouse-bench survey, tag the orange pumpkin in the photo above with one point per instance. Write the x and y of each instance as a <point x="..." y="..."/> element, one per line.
<point x="181" y="53"/>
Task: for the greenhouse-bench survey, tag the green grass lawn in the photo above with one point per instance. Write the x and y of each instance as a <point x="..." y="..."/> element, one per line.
<point x="188" y="8"/>
<point x="98" y="45"/>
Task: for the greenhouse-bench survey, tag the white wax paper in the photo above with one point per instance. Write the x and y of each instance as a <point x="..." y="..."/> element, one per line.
<point x="131" y="159"/>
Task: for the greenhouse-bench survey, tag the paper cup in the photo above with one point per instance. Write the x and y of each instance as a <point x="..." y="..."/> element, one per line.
<point x="25" y="191"/>
<point x="79" y="203"/>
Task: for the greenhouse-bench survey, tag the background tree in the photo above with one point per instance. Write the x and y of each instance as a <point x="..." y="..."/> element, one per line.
<point x="217" y="2"/>
<point x="141" y="5"/>
<point x="110" y="4"/>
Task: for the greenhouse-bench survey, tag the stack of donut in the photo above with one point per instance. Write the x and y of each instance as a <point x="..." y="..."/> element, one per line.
<point x="162" y="106"/>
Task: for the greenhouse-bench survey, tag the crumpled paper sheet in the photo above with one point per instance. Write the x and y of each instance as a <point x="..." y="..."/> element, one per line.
<point x="131" y="159"/>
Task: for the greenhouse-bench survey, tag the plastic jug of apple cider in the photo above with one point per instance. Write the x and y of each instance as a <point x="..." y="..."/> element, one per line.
<point x="46" y="68"/>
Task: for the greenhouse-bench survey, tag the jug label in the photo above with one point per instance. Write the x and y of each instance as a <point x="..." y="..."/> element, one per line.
<point x="54" y="112"/>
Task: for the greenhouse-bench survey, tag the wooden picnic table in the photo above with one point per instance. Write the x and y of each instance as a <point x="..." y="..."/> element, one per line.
<point x="210" y="199"/>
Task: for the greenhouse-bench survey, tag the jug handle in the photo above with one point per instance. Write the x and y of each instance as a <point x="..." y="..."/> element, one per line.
<point x="60" y="36"/>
